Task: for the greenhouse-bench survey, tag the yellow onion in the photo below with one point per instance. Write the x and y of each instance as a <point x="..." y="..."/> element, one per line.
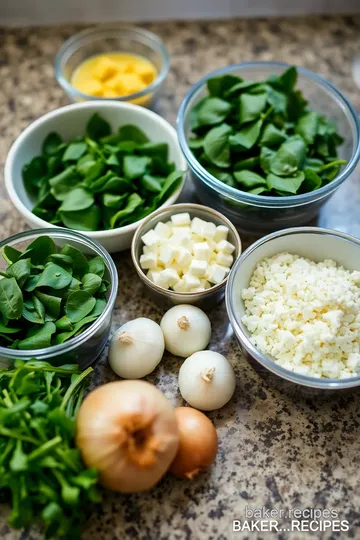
<point x="128" y="431"/>
<point x="197" y="443"/>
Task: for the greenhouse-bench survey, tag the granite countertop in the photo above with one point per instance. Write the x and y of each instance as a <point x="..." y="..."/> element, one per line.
<point x="276" y="450"/>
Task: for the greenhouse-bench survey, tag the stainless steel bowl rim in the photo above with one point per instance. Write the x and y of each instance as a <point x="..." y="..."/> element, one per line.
<point x="67" y="346"/>
<point x="265" y="361"/>
<point x="184" y="207"/>
<point x="68" y="87"/>
<point x="260" y="200"/>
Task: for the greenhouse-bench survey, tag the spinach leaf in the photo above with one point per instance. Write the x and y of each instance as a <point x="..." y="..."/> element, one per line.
<point x="51" y="143"/>
<point x="54" y="276"/>
<point x="151" y="183"/>
<point x="80" y="263"/>
<point x="38" y="338"/>
<point x="82" y="220"/>
<point x="38" y="250"/>
<point x="213" y="111"/>
<point x="251" y="106"/>
<point x="77" y="199"/>
<point x="52" y="304"/>
<point x="74" y="151"/>
<point x="272" y="136"/>
<point x="97" y="127"/>
<point x="219" y="86"/>
<point x="216" y="145"/>
<point x="247" y="136"/>
<point x="155" y="150"/>
<point x="96" y="266"/>
<point x="307" y="126"/>
<point x="135" y="166"/>
<point x="62" y="260"/>
<point x="78" y="305"/>
<point x="20" y="271"/>
<point x="91" y="283"/>
<point x="312" y="180"/>
<point x="10" y="254"/>
<point x="133" y="202"/>
<point x="249" y="179"/>
<point x="129" y="132"/>
<point x="11" y="299"/>
<point x="290" y="157"/>
<point x="33" y="173"/>
<point x="110" y="200"/>
<point x="64" y="182"/>
<point x="248" y="163"/>
<point x="289" y="184"/>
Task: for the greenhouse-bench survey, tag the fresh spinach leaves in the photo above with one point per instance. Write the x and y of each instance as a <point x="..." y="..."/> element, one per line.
<point x="261" y="137"/>
<point x="45" y="293"/>
<point x="91" y="183"/>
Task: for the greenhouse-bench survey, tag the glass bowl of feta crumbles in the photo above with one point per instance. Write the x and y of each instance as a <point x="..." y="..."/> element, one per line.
<point x="293" y="300"/>
<point x="184" y="253"/>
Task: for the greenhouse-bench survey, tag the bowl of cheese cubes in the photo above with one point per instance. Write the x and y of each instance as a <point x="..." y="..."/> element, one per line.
<point x="113" y="62"/>
<point x="293" y="300"/>
<point x="183" y="254"/>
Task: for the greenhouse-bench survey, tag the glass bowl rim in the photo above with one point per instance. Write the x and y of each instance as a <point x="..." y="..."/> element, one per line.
<point x="55" y="350"/>
<point x="263" y="359"/>
<point x="260" y="200"/>
<point x="94" y="30"/>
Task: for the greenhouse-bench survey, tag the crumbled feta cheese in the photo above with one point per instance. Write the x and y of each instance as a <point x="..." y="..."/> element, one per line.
<point x="306" y="315"/>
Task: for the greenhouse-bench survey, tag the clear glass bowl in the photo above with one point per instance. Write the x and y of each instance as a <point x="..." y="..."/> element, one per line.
<point x="260" y="214"/>
<point x="86" y="347"/>
<point x="106" y="39"/>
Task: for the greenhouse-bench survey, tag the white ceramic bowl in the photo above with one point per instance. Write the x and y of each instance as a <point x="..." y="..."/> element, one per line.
<point x="311" y="242"/>
<point x="70" y="122"/>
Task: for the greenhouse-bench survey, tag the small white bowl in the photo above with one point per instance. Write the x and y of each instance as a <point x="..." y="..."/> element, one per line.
<point x="70" y="122"/>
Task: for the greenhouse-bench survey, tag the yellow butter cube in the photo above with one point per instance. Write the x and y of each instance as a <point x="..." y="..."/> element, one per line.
<point x="145" y="71"/>
<point x="104" y="69"/>
<point x="91" y="87"/>
<point x="110" y="93"/>
<point x="126" y="83"/>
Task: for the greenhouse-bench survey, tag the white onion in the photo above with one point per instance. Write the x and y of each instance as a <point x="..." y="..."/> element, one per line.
<point x="186" y="330"/>
<point x="136" y="348"/>
<point x="207" y="380"/>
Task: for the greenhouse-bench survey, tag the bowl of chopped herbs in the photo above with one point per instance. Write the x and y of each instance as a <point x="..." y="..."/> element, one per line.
<point x="267" y="143"/>
<point x="57" y="292"/>
<point x="95" y="167"/>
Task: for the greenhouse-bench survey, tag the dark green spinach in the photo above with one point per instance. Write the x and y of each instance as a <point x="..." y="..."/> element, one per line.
<point x="91" y="183"/>
<point x="45" y="293"/>
<point x="261" y="137"/>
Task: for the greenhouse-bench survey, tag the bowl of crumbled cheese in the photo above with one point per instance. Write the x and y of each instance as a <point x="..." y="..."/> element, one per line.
<point x="293" y="299"/>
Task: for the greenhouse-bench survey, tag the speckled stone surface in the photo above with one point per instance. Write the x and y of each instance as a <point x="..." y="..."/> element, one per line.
<point x="276" y="450"/>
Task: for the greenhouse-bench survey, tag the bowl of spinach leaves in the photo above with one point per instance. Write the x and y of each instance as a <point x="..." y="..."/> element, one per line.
<point x="267" y="143"/>
<point x="96" y="167"/>
<point x="57" y="292"/>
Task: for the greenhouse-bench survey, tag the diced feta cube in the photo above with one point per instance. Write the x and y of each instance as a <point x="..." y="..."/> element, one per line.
<point x="202" y="251"/>
<point x="181" y="238"/>
<point x="197" y="226"/>
<point x="191" y="281"/>
<point x="197" y="289"/>
<point x="180" y="220"/>
<point x="171" y="276"/>
<point x="166" y="254"/>
<point x="159" y="280"/>
<point x="151" y="238"/>
<point x="180" y="286"/>
<point x="163" y="230"/>
<point x="148" y="261"/>
<point x="225" y="246"/>
<point x="224" y="260"/>
<point x="153" y="271"/>
<point x="182" y="256"/>
<point x="198" y="268"/>
<point x="209" y="230"/>
<point x="216" y="274"/>
<point x="178" y="268"/>
<point x="221" y="233"/>
<point x="205" y="284"/>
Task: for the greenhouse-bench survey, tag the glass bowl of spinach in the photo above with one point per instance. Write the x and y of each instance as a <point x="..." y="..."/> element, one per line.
<point x="57" y="293"/>
<point x="96" y="167"/>
<point x="267" y="144"/>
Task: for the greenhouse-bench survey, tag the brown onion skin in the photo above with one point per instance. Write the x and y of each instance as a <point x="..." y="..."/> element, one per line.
<point x="128" y="431"/>
<point x="198" y="443"/>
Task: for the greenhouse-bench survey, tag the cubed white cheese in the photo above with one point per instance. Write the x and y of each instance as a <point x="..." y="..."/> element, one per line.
<point x="216" y="274"/>
<point x="202" y="251"/>
<point x="166" y="254"/>
<point x="197" y="226"/>
<point x="182" y="256"/>
<point x="181" y="237"/>
<point x="180" y="286"/>
<point x="148" y="261"/>
<point x="191" y="281"/>
<point x="159" y="280"/>
<point x="225" y="246"/>
<point x="205" y="284"/>
<point x="151" y="238"/>
<point x="197" y="289"/>
<point x="180" y="220"/>
<point x="198" y="268"/>
<point x="163" y="230"/>
<point x="224" y="259"/>
<point x="209" y="230"/>
<point x="221" y="233"/>
<point x="170" y="276"/>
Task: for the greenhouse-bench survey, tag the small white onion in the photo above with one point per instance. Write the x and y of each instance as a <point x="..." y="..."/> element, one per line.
<point x="136" y="348"/>
<point x="207" y="380"/>
<point x="186" y="330"/>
